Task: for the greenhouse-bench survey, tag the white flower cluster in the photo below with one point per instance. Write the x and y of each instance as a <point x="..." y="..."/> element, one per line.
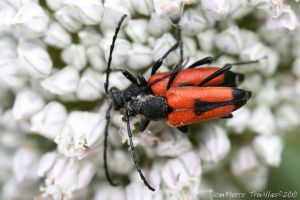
<point x="52" y="103"/>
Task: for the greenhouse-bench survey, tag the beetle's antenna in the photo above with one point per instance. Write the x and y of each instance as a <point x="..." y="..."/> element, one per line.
<point x="108" y="177"/>
<point x="134" y="155"/>
<point x="106" y="84"/>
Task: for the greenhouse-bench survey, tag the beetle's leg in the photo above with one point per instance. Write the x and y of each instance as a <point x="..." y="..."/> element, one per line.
<point x="204" y="61"/>
<point x="128" y="75"/>
<point x="106" y="84"/>
<point x="179" y="66"/>
<point x="220" y="71"/>
<point x="159" y="62"/>
<point x="144" y="124"/>
<point x="174" y="74"/>
<point x="134" y="155"/>
<point x="225" y="68"/>
<point x="108" y="177"/>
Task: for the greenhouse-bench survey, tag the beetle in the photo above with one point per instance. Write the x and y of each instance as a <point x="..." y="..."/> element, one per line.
<point x="180" y="97"/>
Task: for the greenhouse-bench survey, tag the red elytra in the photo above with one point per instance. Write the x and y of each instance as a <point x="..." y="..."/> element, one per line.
<point x="190" y="105"/>
<point x="193" y="77"/>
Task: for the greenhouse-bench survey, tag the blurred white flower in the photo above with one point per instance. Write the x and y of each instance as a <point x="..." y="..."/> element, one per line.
<point x="63" y="82"/>
<point x="262" y="120"/>
<point x="30" y="21"/>
<point x="268" y="94"/>
<point x="26" y="104"/>
<point x="11" y="75"/>
<point x="50" y="120"/>
<point x="25" y="164"/>
<point x="269" y="148"/>
<point x="269" y="58"/>
<point x="287" y="117"/>
<point x="248" y="170"/>
<point x="193" y="21"/>
<point x="285" y="19"/>
<point x="81" y="135"/>
<point x="240" y="120"/>
<point x="35" y="59"/>
<point x="214" y="145"/>
<point x="57" y="36"/>
<point x="230" y="40"/>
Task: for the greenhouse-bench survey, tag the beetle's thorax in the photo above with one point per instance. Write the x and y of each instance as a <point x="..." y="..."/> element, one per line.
<point x="152" y="107"/>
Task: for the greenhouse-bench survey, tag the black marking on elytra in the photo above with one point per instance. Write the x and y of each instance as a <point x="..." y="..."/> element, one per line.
<point x="185" y="84"/>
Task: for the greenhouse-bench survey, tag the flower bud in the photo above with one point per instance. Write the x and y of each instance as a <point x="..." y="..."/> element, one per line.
<point x="216" y="8"/>
<point x="215" y="144"/>
<point x="122" y="47"/>
<point x="90" y="86"/>
<point x="240" y="122"/>
<point x="109" y="193"/>
<point x="269" y="148"/>
<point x="193" y="21"/>
<point x="244" y="161"/>
<point x="262" y="120"/>
<point x="30" y="21"/>
<point x="95" y="56"/>
<point x="162" y="45"/>
<point x="167" y="7"/>
<point x="138" y="191"/>
<point x="175" y="175"/>
<point x="140" y="56"/>
<point x="268" y="94"/>
<point x="46" y="163"/>
<point x="89" y="37"/>
<point x="230" y="40"/>
<point x="158" y="25"/>
<point x="75" y="55"/>
<point x="57" y="36"/>
<point x="26" y="104"/>
<point x="287" y="117"/>
<point x="34" y="59"/>
<point x="49" y="121"/>
<point x="25" y="164"/>
<point x="136" y="29"/>
<point x="64" y="17"/>
<point x="88" y="12"/>
<point x="206" y="39"/>
<point x="11" y="75"/>
<point x="269" y="58"/>
<point x="173" y="144"/>
<point x="62" y="82"/>
<point x="143" y="7"/>
<point x="54" y="4"/>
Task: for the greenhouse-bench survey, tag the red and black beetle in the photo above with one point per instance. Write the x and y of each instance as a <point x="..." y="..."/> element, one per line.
<point x="180" y="97"/>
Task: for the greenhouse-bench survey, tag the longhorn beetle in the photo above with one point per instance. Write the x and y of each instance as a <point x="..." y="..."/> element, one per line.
<point x="180" y="97"/>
